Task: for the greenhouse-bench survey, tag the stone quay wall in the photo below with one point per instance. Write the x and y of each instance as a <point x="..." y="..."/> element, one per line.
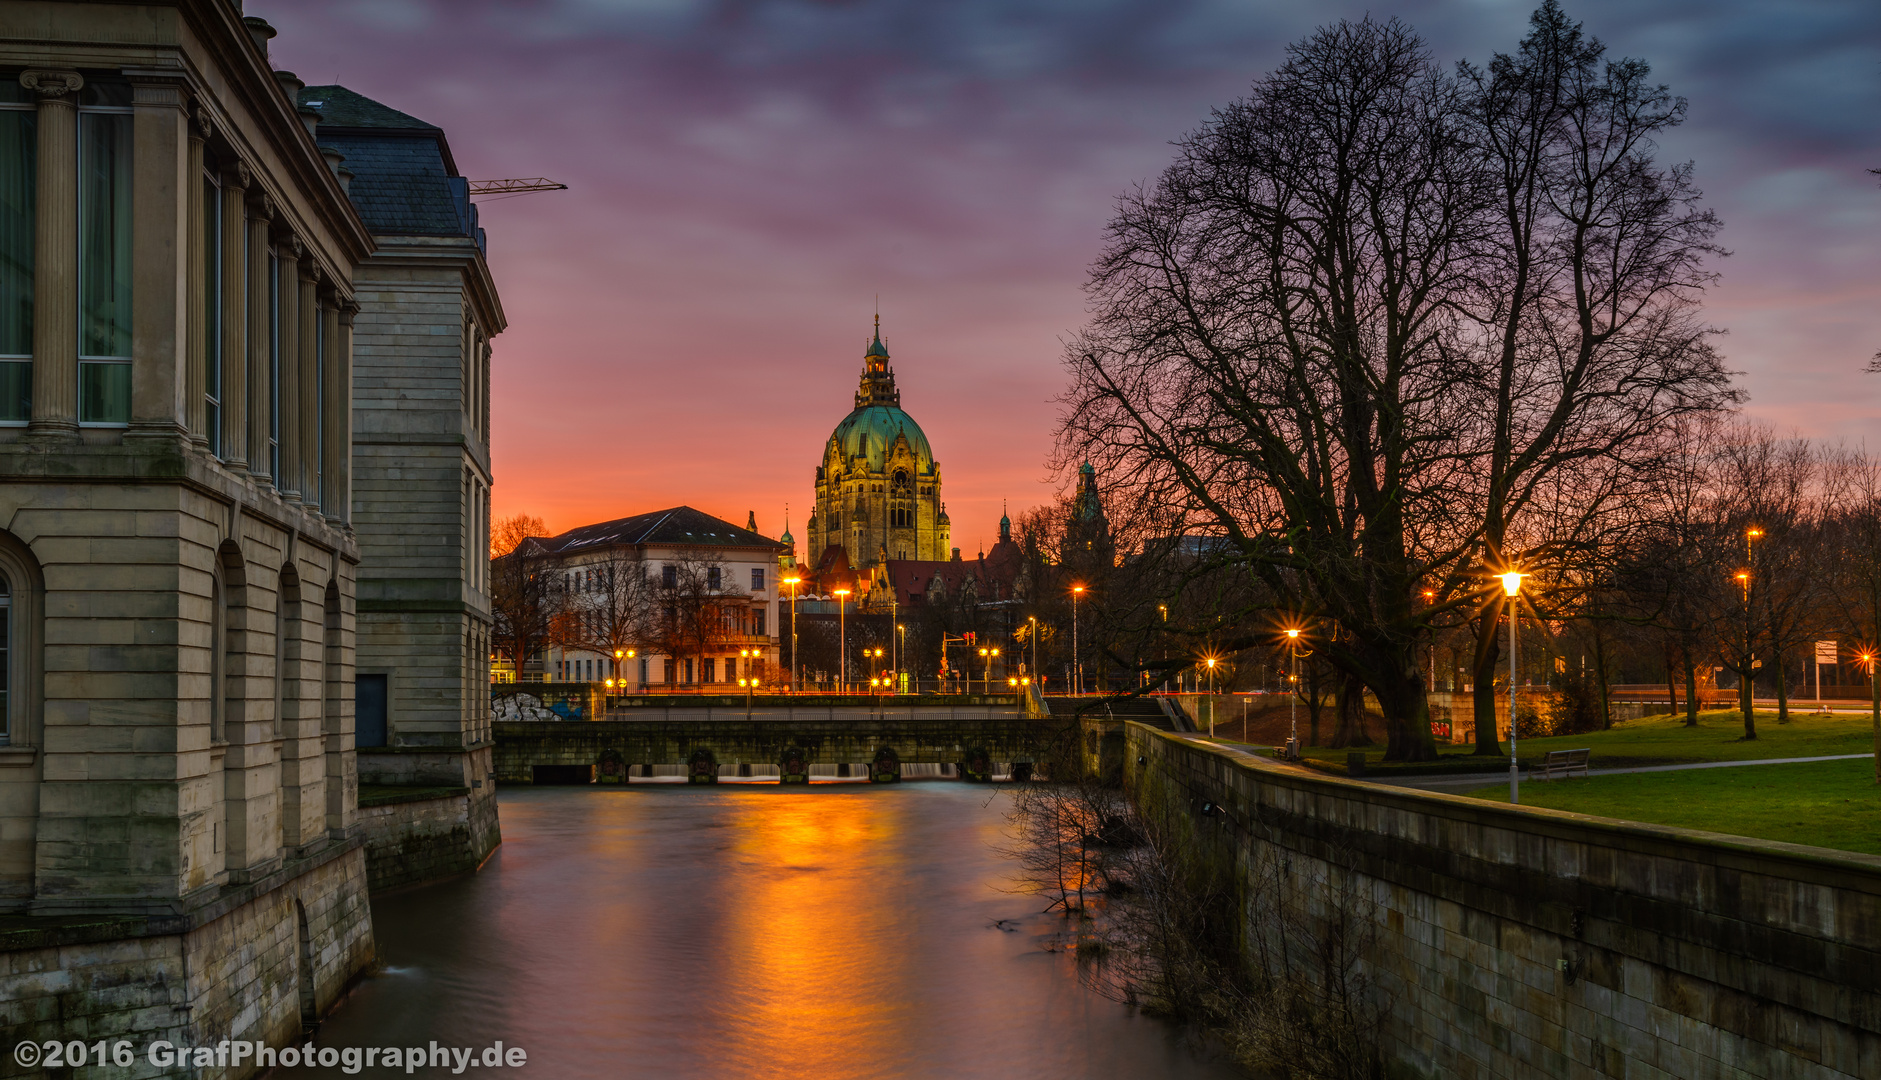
<point x="422" y="835"/>
<point x="253" y="965"/>
<point x="1516" y="941"/>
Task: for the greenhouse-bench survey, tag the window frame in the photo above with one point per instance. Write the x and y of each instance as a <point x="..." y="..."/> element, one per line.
<point x="31" y="112"/>
<point x="95" y="360"/>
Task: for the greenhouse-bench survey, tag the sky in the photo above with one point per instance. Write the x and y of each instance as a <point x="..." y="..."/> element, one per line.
<point x="749" y="179"/>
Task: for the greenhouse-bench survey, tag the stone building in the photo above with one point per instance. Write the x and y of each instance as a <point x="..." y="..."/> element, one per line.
<point x="878" y="489"/>
<point x="421" y="491"/>
<point x="177" y="289"/>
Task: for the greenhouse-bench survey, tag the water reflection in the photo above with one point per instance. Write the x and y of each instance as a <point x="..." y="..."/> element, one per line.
<point x="845" y="931"/>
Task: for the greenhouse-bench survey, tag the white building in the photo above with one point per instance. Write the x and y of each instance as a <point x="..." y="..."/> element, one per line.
<point x="674" y="600"/>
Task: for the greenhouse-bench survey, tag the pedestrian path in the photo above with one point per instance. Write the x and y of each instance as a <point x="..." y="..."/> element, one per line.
<point x="1484" y="779"/>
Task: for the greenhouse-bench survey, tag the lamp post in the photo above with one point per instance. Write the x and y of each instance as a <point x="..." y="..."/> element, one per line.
<point x="1293" y="699"/>
<point x="1874" y="694"/>
<point x="901" y="650"/>
<point x="1747" y="694"/>
<point x="842" y="640"/>
<point x="1211" y="697"/>
<point x="1033" y="619"/>
<point x="1077" y="668"/>
<point x="793" y="582"/>
<point x="1512" y="587"/>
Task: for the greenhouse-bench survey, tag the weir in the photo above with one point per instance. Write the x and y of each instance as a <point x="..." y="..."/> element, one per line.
<point x="974" y="738"/>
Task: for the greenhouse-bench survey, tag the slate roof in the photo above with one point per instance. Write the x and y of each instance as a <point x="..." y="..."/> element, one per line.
<point x="681" y="526"/>
<point x="404" y="180"/>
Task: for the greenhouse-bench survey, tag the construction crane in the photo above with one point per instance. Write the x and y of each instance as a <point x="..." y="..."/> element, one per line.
<point x="515" y="187"/>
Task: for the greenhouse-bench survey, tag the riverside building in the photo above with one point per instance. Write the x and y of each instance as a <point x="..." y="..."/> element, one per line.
<point x="428" y="310"/>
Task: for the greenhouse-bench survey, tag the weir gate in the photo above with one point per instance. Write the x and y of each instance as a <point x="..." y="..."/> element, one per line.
<point x="975" y="737"/>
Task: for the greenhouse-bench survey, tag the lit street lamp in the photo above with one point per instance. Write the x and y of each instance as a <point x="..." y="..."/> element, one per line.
<point x="1211" y="697"/>
<point x="1293" y="699"/>
<point x="842" y="647"/>
<point x="1077" y="667"/>
<point x="1512" y="587"/>
<point x="793" y="582"/>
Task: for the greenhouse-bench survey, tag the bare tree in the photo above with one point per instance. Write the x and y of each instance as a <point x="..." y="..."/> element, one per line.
<point x="525" y="600"/>
<point x="611" y="608"/>
<point x="1379" y="326"/>
<point x="697" y="606"/>
<point x="513" y="530"/>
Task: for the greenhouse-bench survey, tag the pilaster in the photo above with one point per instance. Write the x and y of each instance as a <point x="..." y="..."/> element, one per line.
<point x="55" y="255"/>
<point x="160" y="263"/>
<point x="290" y="482"/>
<point x="260" y="212"/>
<point x="196" y="374"/>
<point x="308" y="392"/>
<point x="236" y="281"/>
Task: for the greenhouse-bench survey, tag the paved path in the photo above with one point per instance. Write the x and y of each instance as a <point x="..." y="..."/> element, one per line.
<point x="1484" y="779"/>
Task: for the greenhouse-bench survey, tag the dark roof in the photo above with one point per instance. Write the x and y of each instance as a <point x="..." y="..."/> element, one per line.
<point x="404" y="181"/>
<point x="341" y="107"/>
<point x="681" y="526"/>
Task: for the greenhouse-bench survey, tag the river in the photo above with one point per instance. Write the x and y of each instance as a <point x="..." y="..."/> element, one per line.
<point x="844" y="930"/>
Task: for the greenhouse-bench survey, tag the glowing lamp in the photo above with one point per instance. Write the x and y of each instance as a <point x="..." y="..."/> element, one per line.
<point x="1293" y="633"/>
<point x="1512" y="583"/>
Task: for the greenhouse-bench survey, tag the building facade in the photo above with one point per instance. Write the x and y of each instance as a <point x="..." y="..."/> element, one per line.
<point x="177" y="293"/>
<point x="674" y="600"/>
<point x="878" y="488"/>
<point x="428" y="310"/>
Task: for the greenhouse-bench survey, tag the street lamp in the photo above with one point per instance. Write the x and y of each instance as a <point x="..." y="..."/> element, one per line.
<point x="1747" y="693"/>
<point x="1211" y="697"/>
<point x="1077" y="668"/>
<point x="1512" y="587"/>
<point x="842" y="639"/>
<point x="793" y="582"/>
<point x="1874" y="694"/>
<point x="901" y="644"/>
<point x="1293" y="699"/>
<point x="1033" y="619"/>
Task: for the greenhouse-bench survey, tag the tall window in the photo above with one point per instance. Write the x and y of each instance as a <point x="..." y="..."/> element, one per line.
<point x="320" y="408"/>
<point x="19" y="173"/>
<point x="104" y="256"/>
<point x="212" y="311"/>
<point x="274" y="368"/>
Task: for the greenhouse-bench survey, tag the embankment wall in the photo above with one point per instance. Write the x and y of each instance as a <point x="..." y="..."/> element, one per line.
<point x="1517" y="941"/>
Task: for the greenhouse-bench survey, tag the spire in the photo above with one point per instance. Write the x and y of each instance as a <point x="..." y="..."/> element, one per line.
<point x="751" y="521"/>
<point x="1005" y="524"/>
<point x="787" y="539"/>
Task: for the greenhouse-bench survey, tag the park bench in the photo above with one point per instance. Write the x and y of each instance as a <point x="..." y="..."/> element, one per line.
<point x="1564" y="762"/>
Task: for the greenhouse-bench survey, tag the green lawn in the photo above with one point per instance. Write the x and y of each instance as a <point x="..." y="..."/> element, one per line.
<point x="1657" y="740"/>
<point x="1832" y="804"/>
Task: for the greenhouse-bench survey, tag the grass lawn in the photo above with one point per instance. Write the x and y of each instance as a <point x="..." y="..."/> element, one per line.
<point x="1655" y="740"/>
<point x="1832" y="804"/>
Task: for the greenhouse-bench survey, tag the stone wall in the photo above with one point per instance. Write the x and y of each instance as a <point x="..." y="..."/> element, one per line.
<point x="522" y="747"/>
<point x="418" y="835"/>
<point x="239" y="969"/>
<point x="1519" y="942"/>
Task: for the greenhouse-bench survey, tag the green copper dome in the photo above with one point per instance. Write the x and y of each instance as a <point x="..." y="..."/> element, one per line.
<point x="876" y="348"/>
<point x="868" y="432"/>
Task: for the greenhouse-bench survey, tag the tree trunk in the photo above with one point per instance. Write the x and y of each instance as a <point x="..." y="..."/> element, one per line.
<point x="1407" y="718"/>
<point x="1349" y="706"/>
<point x="1783" y="687"/>
<point x="1600" y="679"/>
<point x="1483" y="671"/>
<point x="1691" y="689"/>
<point x="1671" y="678"/>
<point x="1746" y="699"/>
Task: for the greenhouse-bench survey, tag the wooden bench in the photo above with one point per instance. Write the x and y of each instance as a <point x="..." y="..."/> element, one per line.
<point x="1564" y="762"/>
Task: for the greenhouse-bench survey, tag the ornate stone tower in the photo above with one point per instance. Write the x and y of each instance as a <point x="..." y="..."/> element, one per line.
<point x="878" y="489"/>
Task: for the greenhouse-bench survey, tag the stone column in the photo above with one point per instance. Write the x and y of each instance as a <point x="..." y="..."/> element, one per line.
<point x="289" y="482"/>
<point x="196" y="379"/>
<point x="159" y="256"/>
<point x="55" y="255"/>
<point x="335" y="390"/>
<point x="308" y="393"/>
<point x="236" y="281"/>
<point x="261" y="212"/>
<point x="342" y="499"/>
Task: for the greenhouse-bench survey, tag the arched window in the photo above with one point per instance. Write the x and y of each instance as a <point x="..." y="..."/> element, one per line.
<point x="22" y="665"/>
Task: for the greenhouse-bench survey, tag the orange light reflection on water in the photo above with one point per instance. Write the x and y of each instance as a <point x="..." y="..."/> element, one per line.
<point x="811" y="997"/>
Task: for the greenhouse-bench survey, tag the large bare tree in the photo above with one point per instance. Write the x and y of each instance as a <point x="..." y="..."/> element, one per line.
<point x="1380" y="325"/>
